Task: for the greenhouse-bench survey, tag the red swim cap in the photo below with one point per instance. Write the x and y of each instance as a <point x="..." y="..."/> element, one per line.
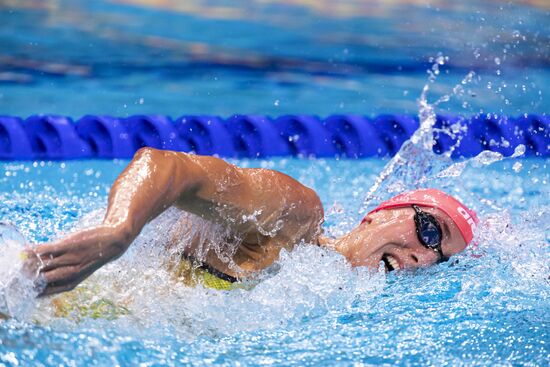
<point x="464" y="218"/>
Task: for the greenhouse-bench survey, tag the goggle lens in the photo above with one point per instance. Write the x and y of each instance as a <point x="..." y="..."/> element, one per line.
<point x="428" y="230"/>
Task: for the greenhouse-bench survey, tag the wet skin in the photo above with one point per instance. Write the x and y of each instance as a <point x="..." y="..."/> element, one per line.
<point x="264" y="209"/>
<point x="393" y="232"/>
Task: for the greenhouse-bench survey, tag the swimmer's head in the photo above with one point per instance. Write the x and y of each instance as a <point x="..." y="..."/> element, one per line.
<point x="464" y="218"/>
<point x="414" y="229"/>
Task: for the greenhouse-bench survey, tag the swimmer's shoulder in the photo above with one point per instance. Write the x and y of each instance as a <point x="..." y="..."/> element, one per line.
<point x="303" y="201"/>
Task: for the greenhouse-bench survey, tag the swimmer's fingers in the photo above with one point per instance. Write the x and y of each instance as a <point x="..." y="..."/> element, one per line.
<point x="51" y="249"/>
<point x="97" y="242"/>
<point x="67" y="243"/>
<point x="51" y="262"/>
<point x="70" y="260"/>
<point x="50" y="290"/>
<point x="64" y="278"/>
<point x="36" y="261"/>
<point x="63" y="274"/>
<point x="55" y="288"/>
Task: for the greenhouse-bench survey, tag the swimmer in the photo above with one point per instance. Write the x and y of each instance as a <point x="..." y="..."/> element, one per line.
<point x="265" y="209"/>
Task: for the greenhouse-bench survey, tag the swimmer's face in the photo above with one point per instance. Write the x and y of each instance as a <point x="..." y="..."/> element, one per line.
<point x="390" y="236"/>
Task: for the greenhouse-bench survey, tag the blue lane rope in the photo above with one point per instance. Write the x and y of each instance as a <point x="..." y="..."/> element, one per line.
<point x="45" y="137"/>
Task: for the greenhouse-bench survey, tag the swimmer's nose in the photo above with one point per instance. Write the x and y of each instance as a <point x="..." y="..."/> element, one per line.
<point x="418" y="260"/>
<point x="424" y="257"/>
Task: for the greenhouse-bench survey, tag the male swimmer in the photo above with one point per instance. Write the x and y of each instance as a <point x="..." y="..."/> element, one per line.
<point x="263" y="210"/>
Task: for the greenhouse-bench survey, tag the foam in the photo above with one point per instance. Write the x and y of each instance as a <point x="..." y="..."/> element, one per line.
<point x="307" y="282"/>
<point x="17" y="285"/>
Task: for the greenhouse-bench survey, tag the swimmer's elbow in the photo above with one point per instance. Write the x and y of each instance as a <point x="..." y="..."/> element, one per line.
<point x="154" y="155"/>
<point x="163" y="162"/>
<point x="176" y="174"/>
<point x="144" y="152"/>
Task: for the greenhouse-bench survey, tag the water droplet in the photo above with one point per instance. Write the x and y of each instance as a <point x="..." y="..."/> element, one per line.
<point x="292" y="138"/>
<point x="519" y="151"/>
<point x="445" y="98"/>
<point x="497" y="60"/>
<point x="517" y="167"/>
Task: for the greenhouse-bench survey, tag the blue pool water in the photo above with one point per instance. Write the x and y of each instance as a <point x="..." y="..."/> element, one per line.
<point x="489" y="306"/>
<point x="125" y="57"/>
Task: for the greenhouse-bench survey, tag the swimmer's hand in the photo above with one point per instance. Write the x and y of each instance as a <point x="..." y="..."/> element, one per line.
<point x="68" y="261"/>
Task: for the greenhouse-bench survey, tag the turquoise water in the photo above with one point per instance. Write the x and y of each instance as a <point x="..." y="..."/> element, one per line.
<point x="75" y="57"/>
<point x="489" y="306"/>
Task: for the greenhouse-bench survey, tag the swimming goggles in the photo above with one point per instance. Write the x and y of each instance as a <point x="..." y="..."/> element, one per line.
<point x="429" y="232"/>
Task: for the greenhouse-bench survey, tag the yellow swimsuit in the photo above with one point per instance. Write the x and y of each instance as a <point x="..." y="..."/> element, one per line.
<point x="83" y="301"/>
<point x="191" y="274"/>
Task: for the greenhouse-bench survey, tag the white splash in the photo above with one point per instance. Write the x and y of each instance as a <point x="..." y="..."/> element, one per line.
<point x="416" y="165"/>
<point x="306" y="282"/>
<point x="17" y="285"/>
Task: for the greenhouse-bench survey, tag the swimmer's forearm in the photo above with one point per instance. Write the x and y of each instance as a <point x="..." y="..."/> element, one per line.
<point x="150" y="184"/>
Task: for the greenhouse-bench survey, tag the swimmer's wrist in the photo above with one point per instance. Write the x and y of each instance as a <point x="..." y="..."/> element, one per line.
<point x="115" y="237"/>
<point x="118" y="230"/>
<point x="120" y="238"/>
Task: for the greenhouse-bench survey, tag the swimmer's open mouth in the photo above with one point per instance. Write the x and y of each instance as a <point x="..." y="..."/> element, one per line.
<point x="390" y="263"/>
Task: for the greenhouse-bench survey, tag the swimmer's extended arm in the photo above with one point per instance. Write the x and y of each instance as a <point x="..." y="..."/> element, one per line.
<point x="155" y="180"/>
